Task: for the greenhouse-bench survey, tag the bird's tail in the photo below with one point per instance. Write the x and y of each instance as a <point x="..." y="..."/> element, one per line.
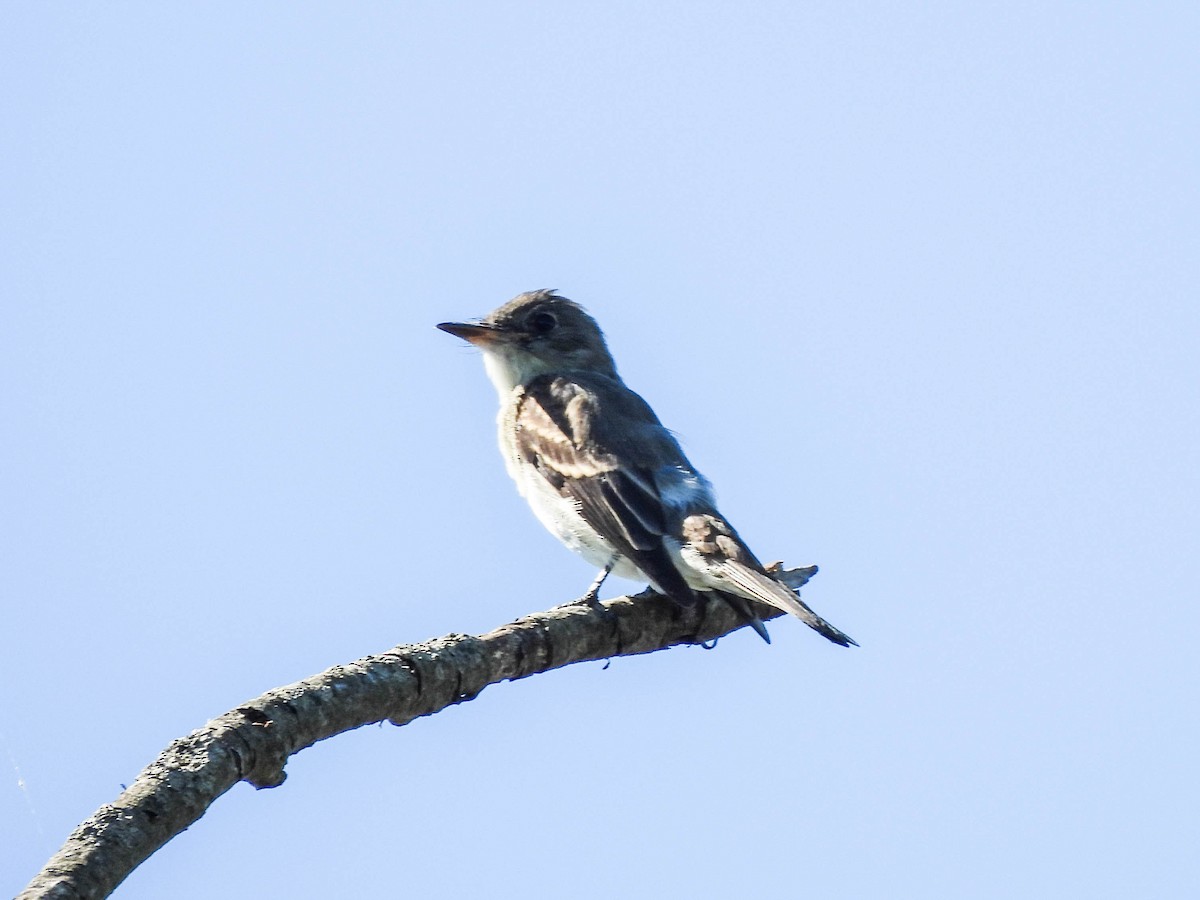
<point x="757" y="585"/>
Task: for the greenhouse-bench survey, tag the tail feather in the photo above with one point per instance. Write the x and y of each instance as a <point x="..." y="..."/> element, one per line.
<point x="711" y="553"/>
<point x="758" y="586"/>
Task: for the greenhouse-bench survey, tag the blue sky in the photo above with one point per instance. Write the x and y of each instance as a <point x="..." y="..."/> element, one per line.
<point x="916" y="286"/>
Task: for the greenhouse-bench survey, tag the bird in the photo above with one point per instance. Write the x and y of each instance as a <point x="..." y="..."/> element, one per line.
<point x="602" y="473"/>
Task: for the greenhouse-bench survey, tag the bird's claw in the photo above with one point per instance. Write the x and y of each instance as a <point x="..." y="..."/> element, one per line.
<point x="593" y="602"/>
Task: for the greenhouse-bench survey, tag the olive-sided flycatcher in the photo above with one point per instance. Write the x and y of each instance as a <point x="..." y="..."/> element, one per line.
<point x="602" y="473"/>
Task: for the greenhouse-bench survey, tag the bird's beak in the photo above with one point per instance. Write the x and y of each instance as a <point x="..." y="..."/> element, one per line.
<point x="478" y="334"/>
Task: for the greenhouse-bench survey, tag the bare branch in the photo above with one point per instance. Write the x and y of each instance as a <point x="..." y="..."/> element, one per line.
<point x="253" y="742"/>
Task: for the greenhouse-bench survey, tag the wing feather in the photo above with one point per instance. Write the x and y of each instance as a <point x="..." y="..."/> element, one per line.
<point x="634" y="488"/>
<point x="615" y="496"/>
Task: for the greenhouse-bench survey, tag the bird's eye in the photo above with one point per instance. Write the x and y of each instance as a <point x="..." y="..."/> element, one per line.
<point x="542" y="323"/>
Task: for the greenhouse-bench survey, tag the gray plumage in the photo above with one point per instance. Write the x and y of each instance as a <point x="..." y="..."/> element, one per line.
<point x="600" y="470"/>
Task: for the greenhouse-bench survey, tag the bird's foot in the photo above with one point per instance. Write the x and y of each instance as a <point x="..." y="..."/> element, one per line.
<point x="592" y="601"/>
<point x="592" y="597"/>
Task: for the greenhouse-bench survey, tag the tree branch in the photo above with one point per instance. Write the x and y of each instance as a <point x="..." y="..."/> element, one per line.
<point x="254" y="741"/>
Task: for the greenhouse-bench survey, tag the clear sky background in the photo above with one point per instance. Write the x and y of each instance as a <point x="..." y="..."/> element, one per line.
<point x="918" y="285"/>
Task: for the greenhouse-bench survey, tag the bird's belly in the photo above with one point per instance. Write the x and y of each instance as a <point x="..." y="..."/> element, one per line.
<point x="561" y="518"/>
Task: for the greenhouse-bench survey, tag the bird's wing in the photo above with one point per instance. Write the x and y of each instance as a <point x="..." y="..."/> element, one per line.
<point x="608" y="473"/>
<point x="712" y="546"/>
<point x="600" y="445"/>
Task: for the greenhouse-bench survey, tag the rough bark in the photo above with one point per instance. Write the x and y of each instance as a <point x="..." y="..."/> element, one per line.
<point x="254" y="741"/>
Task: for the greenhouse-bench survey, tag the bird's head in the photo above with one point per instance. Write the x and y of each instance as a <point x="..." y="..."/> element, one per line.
<point x="537" y="333"/>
